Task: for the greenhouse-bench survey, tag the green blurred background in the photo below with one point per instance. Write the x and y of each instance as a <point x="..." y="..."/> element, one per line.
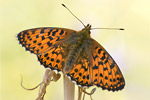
<point x="129" y="48"/>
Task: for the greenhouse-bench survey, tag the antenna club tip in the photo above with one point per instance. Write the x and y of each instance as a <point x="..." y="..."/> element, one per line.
<point x="121" y="29"/>
<point x="63" y="5"/>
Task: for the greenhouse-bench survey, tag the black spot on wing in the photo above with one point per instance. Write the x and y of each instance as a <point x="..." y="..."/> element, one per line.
<point x="94" y="57"/>
<point x="95" y="67"/>
<point x="50" y="38"/>
<point x="50" y="32"/>
<point x="103" y="57"/>
<point x="37" y="36"/>
<point x="43" y="37"/>
<point x="34" y="41"/>
<point x="62" y="32"/>
<point x="58" y="38"/>
<point x="99" y="51"/>
<point x="105" y="68"/>
<point x="53" y="34"/>
<point x="42" y="31"/>
<point x="39" y="44"/>
<point x="49" y="44"/>
<point x="100" y="63"/>
<point x="112" y="65"/>
<point x="101" y="75"/>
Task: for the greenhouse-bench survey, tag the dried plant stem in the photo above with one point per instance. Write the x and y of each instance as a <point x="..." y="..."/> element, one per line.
<point x="48" y="77"/>
<point x="69" y="89"/>
<point x="46" y="81"/>
<point x="79" y="93"/>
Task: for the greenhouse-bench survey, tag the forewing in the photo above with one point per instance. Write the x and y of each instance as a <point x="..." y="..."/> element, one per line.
<point x="49" y="44"/>
<point x="39" y="40"/>
<point x="104" y="71"/>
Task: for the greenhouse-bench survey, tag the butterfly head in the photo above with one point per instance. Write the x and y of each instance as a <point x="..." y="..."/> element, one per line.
<point x="85" y="32"/>
<point x="87" y="28"/>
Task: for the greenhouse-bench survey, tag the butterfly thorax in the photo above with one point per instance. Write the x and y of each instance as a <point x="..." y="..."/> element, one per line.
<point x="78" y="44"/>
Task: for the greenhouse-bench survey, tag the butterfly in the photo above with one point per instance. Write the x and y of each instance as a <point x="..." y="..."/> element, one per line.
<point x="76" y="54"/>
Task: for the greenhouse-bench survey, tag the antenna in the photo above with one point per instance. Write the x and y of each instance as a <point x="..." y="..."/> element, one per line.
<point x="109" y="28"/>
<point x="73" y="14"/>
<point x="83" y="23"/>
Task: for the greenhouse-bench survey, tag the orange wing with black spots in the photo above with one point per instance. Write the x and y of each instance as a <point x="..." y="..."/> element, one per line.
<point x="96" y="67"/>
<point x="48" y="44"/>
<point x="40" y="40"/>
<point x="80" y="72"/>
<point x="52" y="59"/>
<point x="104" y="71"/>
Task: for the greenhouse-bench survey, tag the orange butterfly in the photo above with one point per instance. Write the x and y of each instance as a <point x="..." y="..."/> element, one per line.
<point x="74" y="53"/>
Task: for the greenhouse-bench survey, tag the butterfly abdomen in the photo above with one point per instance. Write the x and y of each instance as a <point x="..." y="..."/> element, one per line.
<point x="72" y="57"/>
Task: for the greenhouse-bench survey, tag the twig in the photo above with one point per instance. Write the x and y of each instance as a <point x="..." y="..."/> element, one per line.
<point x="80" y="90"/>
<point x="48" y="77"/>
<point x="69" y="89"/>
<point x="79" y="93"/>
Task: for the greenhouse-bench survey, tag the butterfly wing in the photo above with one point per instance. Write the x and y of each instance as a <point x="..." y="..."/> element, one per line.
<point x="48" y="44"/>
<point x="104" y="71"/>
<point x="80" y="72"/>
<point x="38" y="40"/>
<point x="95" y="66"/>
